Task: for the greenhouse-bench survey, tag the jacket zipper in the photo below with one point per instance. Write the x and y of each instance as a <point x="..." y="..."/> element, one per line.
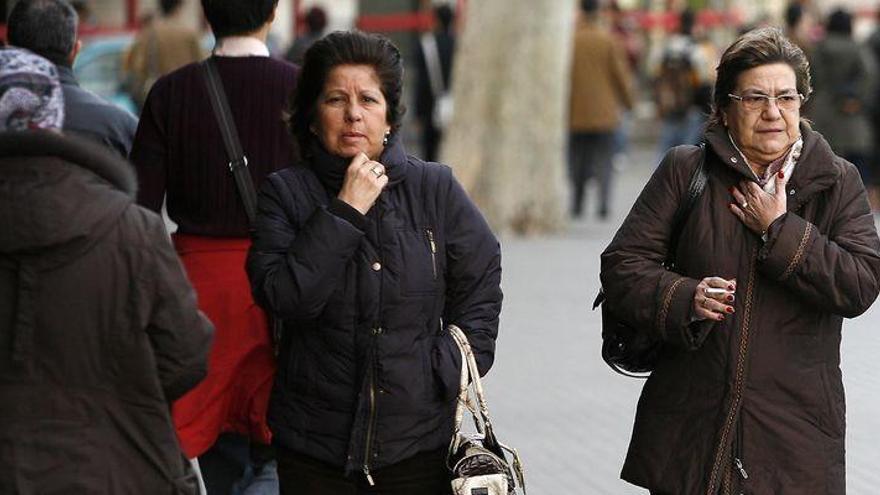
<point x="433" y="246"/>
<point x="368" y="444"/>
<point x="739" y="384"/>
<point x="372" y="420"/>
<point x="738" y="451"/>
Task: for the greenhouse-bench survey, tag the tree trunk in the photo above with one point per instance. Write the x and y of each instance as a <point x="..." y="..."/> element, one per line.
<point x="507" y="140"/>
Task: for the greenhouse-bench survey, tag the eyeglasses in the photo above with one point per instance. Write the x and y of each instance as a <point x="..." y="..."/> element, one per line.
<point x="756" y="101"/>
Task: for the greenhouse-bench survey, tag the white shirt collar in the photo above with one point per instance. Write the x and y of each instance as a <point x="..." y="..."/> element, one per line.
<point x="240" y="46"/>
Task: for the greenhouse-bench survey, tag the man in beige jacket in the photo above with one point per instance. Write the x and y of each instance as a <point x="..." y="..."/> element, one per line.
<point x="161" y="46"/>
<point x="600" y="87"/>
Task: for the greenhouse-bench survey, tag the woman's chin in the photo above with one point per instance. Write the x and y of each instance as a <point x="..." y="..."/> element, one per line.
<point x="350" y="151"/>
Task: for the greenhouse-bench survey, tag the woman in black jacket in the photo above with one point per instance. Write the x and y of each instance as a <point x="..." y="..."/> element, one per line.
<point x="366" y="253"/>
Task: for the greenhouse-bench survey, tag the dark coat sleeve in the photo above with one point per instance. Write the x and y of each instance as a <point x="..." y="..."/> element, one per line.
<point x="294" y="267"/>
<point x="473" y="280"/>
<point x="639" y="290"/>
<point x="149" y="150"/>
<point x="838" y="272"/>
<point x="179" y="333"/>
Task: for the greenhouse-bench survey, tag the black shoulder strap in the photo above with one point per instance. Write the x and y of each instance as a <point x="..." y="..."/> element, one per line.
<point x="697" y="183"/>
<point x="699" y="177"/>
<point x="237" y="160"/>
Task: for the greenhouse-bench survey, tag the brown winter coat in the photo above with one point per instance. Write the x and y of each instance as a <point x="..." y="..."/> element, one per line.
<point x="764" y="386"/>
<point x="601" y="84"/>
<point x="99" y="328"/>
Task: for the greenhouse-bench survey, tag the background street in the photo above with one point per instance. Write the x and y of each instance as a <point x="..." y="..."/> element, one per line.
<point x="554" y="399"/>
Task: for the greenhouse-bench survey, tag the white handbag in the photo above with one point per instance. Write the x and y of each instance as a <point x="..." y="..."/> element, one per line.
<point x="478" y="461"/>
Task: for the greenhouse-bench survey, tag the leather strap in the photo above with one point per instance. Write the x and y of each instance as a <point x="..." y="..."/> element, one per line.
<point x="237" y="159"/>
<point x="470" y="374"/>
<point x="695" y="189"/>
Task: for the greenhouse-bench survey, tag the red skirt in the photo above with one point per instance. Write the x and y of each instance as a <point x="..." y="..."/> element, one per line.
<point x="234" y="396"/>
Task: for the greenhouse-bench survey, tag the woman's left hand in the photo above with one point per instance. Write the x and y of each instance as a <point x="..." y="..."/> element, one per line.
<point x="756" y="208"/>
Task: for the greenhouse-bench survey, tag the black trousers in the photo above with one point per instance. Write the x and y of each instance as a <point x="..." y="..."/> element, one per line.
<point x="422" y="474"/>
<point x="590" y="156"/>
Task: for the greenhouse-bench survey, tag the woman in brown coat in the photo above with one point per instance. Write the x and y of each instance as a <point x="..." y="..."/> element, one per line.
<point x="99" y="328"/>
<point x="747" y="395"/>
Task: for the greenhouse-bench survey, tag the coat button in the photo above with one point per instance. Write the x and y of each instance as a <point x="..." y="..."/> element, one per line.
<point x="791" y="193"/>
<point x="733" y="159"/>
<point x="377" y="266"/>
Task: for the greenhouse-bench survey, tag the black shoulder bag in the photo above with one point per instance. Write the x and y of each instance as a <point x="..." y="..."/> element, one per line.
<point x="631" y="351"/>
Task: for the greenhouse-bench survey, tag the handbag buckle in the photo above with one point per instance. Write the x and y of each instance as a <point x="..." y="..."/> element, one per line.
<point x="234" y="164"/>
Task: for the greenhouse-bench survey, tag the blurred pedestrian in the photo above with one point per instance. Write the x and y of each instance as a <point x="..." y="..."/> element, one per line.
<point x="85" y="12"/>
<point x="99" y="328"/>
<point x="798" y="27"/>
<point x="365" y="252"/>
<point x="433" y="80"/>
<point x="49" y="29"/>
<point x="845" y="82"/>
<point x="780" y="246"/>
<point x="601" y="88"/>
<point x="627" y="32"/>
<point x="678" y="70"/>
<point x="316" y="22"/>
<point x="180" y="156"/>
<point x="163" y="45"/>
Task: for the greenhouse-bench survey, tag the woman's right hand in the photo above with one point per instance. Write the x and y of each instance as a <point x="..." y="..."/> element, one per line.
<point x="713" y="299"/>
<point x="364" y="181"/>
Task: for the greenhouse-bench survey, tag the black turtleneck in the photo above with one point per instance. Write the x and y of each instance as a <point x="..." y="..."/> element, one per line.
<point x="330" y="170"/>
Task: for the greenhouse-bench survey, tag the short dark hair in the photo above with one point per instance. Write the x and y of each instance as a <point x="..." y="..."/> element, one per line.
<point x="445" y="16"/>
<point x="839" y="22"/>
<point x="590" y="6"/>
<point x="344" y="48"/>
<point x="755" y="48"/>
<point x="793" y="15"/>
<point x="169" y="6"/>
<point x="45" y="27"/>
<point x="687" y="19"/>
<point x="233" y="17"/>
<point x="316" y="19"/>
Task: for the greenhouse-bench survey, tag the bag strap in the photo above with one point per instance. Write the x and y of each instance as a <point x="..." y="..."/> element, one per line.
<point x="238" y="163"/>
<point x="470" y="373"/>
<point x="699" y="178"/>
<point x="432" y="61"/>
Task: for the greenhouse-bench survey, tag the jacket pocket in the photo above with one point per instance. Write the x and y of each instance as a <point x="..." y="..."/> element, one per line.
<point x="295" y="374"/>
<point x="832" y="407"/>
<point x="420" y="267"/>
<point x="444" y="368"/>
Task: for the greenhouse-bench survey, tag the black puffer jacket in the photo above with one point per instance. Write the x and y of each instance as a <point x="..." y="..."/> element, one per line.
<point x="99" y="328"/>
<point x="365" y="377"/>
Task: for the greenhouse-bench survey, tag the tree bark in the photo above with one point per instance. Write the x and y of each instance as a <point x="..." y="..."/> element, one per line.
<point x="508" y="137"/>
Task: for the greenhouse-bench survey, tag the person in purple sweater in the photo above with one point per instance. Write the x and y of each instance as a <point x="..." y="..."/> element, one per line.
<point x="180" y="159"/>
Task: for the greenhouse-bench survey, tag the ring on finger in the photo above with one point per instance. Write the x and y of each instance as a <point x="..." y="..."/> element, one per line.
<point x="744" y="205"/>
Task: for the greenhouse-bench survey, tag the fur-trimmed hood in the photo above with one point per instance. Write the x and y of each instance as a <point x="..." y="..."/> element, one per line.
<point x="58" y="193"/>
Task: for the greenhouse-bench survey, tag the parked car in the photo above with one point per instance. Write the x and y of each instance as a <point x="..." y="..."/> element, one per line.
<point x="98" y="68"/>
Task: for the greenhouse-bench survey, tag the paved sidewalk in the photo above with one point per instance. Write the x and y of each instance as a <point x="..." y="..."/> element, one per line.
<point x="570" y="416"/>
